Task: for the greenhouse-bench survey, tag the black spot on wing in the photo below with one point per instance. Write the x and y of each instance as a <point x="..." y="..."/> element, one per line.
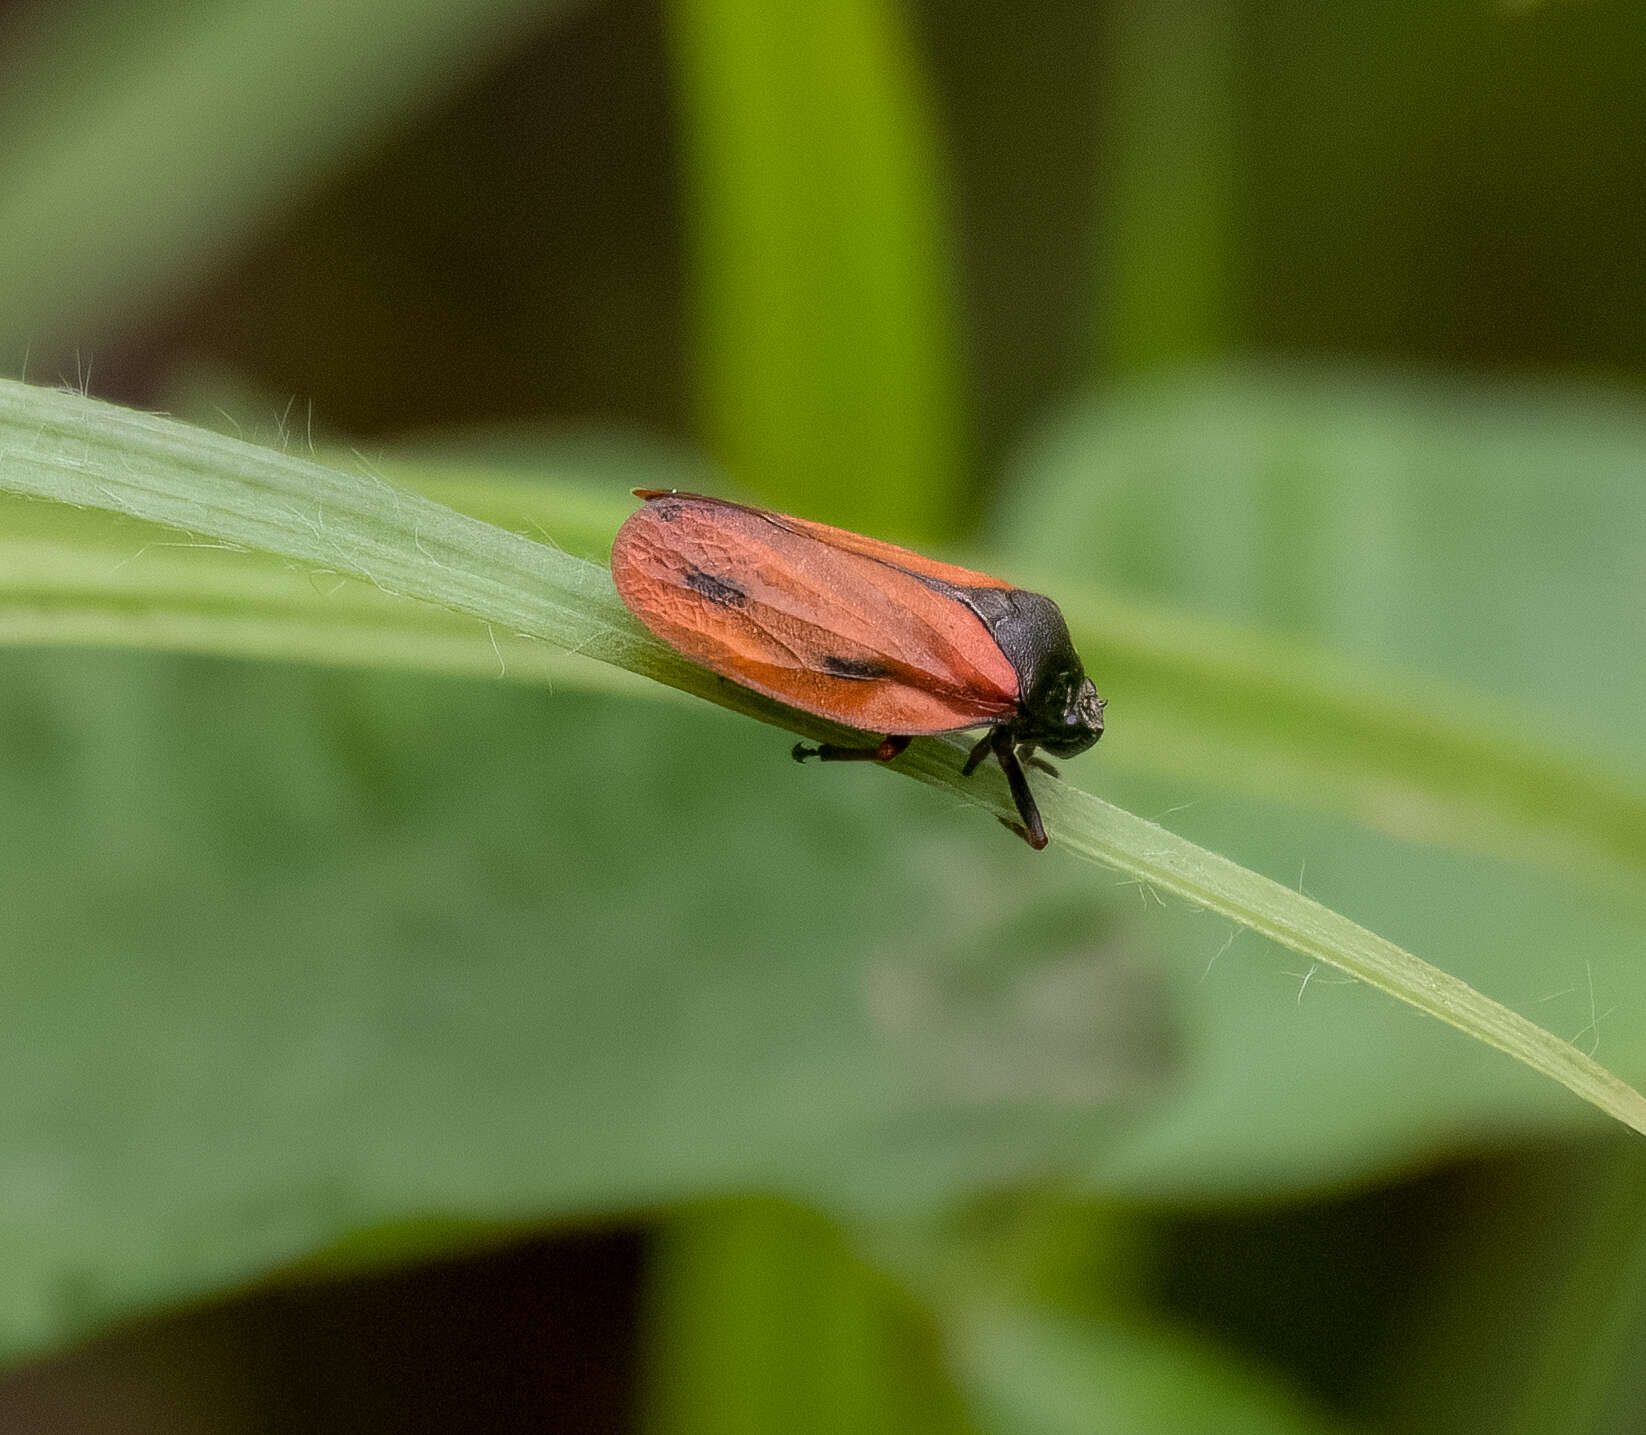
<point x="716" y="590"/>
<point x="862" y="669"/>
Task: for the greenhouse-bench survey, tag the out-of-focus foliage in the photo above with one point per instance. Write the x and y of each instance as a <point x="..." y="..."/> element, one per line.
<point x="241" y="1026"/>
<point x="825" y="279"/>
<point x="318" y="969"/>
<point x="145" y="141"/>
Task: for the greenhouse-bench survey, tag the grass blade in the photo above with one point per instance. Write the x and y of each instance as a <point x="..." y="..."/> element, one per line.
<point x="1212" y="704"/>
<point x="823" y="285"/>
<point x="1166" y="272"/>
<point x="74" y="450"/>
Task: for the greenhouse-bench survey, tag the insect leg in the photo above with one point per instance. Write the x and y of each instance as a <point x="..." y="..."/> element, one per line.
<point x="984" y="746"/>
<point x="1026" y="755"/>
<point x="1032" y="830"/>
<point x="828" y="752"/>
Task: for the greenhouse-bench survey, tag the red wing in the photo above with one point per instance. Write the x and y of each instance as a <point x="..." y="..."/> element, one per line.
<point x="905" y="558"/>
<point x="839" y="630"/>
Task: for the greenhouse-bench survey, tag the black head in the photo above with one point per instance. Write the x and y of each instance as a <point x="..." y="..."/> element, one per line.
<point x="1064" y="714"/>
<point x="1058" y="707"/>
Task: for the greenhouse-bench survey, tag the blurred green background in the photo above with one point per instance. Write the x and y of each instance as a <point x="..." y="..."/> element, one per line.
<point x="384" y="1053"/>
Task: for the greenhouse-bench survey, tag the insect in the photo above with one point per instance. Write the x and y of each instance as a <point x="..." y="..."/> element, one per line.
<point x="861" y="632"/>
